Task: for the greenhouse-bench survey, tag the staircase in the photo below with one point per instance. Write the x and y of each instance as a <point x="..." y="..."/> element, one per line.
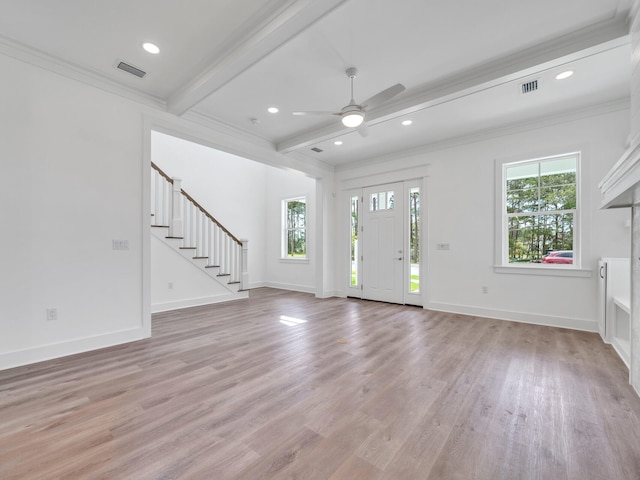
<point x="185" y="226"/>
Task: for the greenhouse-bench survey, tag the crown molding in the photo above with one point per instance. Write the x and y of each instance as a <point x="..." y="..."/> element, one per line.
<point x="490" y="133"/>
<point x="40" y="59"/>
<point x="621" y="186"/>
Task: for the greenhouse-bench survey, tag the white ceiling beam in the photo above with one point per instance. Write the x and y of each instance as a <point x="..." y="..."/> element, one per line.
<point x="581" y="44"/>
<point x="274" y="29"/>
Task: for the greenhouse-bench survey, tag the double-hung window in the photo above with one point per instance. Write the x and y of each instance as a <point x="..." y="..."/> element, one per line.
<point x="294" y="222"/>
<point x="539" y="212"/>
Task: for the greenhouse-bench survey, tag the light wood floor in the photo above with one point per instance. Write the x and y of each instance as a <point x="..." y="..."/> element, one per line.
<point x="231" y="392"/>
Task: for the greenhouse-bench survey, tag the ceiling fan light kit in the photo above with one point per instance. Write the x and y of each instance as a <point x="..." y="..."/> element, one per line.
<point x="352" y="116"/>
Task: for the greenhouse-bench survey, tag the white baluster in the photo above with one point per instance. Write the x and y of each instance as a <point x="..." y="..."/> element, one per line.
<point x="177" y="223"/>
<point x="198" y="232"/>
<point x="166" y="203"/>
<point x="218" y="245"/>
<point x="185" y="217"/>
<point x="152" y="187"/>
<point x="158" y="199"/>
<point x="194" y="225"/>
<point x="205" y="238"/>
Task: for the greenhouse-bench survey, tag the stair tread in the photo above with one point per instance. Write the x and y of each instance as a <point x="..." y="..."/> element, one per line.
<point x="223" y="275"/>
<point x="179" y="238"/>
<point x="187" y="248"/>
<point x="212" y="266"/>
<point x="200" y="258"/>
<point x="160" y="226"/>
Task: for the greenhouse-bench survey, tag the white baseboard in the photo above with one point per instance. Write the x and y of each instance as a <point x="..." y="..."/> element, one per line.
<point x="197" y="302"/>
<point x="290" y="286"/>
<point x="330" y="294"/>
<point x="49" y="352"/>
<point x="622" y="349"/>
<point x="522" y="317"/>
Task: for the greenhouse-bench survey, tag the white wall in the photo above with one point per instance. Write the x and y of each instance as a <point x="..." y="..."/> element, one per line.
<point x="231" y="188"/>
<point x="71" y="163"/>
<point x="178" y="283"/>
<point x="289" y="274"/>
<point x="460" y="211"/>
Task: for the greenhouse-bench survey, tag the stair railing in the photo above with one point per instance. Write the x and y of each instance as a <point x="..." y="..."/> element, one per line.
<point x="172" y="207"/>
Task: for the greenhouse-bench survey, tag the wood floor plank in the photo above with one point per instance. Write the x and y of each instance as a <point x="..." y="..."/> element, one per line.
<point x="234" y="391"/>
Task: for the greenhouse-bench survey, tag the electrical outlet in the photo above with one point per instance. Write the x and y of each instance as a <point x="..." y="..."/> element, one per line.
<point x="442" y="246"/>
<point x="52" y="314"/>
<point x="170" y="285"/>
<point x="485" y="289"/>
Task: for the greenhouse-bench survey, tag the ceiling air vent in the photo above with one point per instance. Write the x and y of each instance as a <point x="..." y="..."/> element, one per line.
<point x="317" y="150"/>
<point x="529" y="87"/>
<point x="131" y="69"/>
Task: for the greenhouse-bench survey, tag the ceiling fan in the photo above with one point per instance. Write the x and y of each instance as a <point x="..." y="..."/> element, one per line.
<point x="353" y="114"/>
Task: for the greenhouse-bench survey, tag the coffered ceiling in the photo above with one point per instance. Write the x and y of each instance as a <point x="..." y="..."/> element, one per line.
<point x="223" y="63"/>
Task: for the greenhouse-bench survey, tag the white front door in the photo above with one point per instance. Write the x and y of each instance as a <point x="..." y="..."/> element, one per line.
<point x="383" y="243"/>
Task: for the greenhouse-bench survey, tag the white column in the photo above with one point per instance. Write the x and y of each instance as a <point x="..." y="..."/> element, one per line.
<point x="244" y="265"/>
<point x="634" y="371"/>
<point x="634" y="355"/>
<point x="177" y="222"/>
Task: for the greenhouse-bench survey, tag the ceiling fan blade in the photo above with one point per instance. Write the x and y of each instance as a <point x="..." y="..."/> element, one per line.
<point x="302" y="114"/>
<point x="383" y="96"/>
<point x="363" y="130"/>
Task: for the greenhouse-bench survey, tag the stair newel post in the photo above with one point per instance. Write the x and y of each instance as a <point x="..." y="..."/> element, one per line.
<point x="244" y="263"/>
<point x="177" y="222"/>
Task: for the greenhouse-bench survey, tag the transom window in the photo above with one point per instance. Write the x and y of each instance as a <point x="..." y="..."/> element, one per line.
<point x="540" y="211"/>
<point x="381" y="201"/>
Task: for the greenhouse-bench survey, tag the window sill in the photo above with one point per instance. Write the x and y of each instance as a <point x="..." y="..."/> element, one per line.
<point x="294" y="260"/>
<point x="548" y="270"/>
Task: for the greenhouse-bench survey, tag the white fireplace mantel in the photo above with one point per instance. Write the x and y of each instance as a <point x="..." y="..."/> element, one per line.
<point x="621" y="186"/>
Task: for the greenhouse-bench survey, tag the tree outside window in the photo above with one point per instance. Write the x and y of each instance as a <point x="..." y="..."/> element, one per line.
<point x="541" y="207"/>
<point x="295" y="230"/>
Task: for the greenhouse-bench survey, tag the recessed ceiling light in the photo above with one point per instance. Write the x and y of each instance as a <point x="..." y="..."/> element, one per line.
<point x="563" y="75"/>
<point x="407" y="122"/>
<point x="151" y="48"/>
<point x="338" y="142"/>
<point x="272" y="110"/>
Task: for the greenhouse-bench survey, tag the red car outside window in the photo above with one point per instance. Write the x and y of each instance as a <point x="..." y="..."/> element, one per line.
<point x="560" y="257"/>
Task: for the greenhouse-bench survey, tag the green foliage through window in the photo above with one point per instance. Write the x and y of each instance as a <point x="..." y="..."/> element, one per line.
<point x="295" y="211"/>
<point x="540" y="207"/>
<point x="354" y="241"/>
<point x="414" y="239"/>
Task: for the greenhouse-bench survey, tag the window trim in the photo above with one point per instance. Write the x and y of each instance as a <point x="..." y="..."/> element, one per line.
<point x="284" y="258"/>
<point x="501" y="240"/>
